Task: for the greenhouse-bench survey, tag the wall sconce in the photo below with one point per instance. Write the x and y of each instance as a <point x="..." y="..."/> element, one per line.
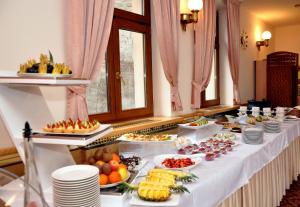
<point x="191" y="15"/>
<point x="266" y="36"/>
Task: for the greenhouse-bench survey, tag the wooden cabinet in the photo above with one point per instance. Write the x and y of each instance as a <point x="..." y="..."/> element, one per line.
<point x="282" y="78"/>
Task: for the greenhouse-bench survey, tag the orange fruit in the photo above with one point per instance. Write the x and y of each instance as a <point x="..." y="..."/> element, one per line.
<point x="114" y="177"/>
<point x="122" y="166"/>
<point x="116" y="157"/>
<point x="103" y="179"/>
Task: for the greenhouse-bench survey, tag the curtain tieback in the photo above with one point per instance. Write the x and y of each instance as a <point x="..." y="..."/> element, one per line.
<point x="174" y="92"/>
<point x="198" y="86"/>
<point x="175" y="99"/>
<point x="78" y="90"/>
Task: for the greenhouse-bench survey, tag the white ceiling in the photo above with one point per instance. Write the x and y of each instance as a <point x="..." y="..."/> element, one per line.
<point x="274" y="12"/>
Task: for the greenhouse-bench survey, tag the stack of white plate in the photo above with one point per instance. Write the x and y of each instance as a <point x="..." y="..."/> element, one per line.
<point x="253" y="135"/>
<point x="76" y="186"/>
<point x="272" y="127"/>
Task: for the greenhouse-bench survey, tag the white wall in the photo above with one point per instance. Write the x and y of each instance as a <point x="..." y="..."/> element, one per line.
<point x="29" y="27"/>
<point x="254" y="28"/>
<point x="287" y="38"/>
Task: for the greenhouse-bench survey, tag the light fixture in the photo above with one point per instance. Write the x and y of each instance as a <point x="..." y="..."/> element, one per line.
<point x="191" y="16"/>
<point x="266" y="36"/>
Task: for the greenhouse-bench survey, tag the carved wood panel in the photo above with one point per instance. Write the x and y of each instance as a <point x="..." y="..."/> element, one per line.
<point x="282" y="78"/>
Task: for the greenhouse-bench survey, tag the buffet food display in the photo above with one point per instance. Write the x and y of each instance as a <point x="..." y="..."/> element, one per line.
<point x="159" y="185"/>
<point x="45" y="68"/>
<point x="211" y="148"/>
<point x="165" y="183"/>
<point x="132" y="137"/>
<point x="112" y="171"/>
<point x="198" y="124"/>
<point x="70" y="126"/>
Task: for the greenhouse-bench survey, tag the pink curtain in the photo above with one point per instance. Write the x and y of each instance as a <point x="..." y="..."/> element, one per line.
<point x="233" y="24"/>
<point x="88" y="25"/>
<point x="167" y="23"/>
<point x="205" y="32"/>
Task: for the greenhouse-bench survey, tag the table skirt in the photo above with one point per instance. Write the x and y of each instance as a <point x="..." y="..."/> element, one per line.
<point x="267" y="187"/>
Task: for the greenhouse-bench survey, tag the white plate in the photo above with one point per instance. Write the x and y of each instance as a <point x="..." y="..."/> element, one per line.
<point x="77" y="191"/>
<point x="44" y="75"/>
<point x="124" y="138"/>
<point x="291" y="118"/>
<point x="173" y="201"/>
<point x="102" y="127"/>
<point x="76" y="188"/>
<point x="115" y="184"/>
<point x="75" y="172"/>
<point x="187" y="126"/>
<point x="78" y="199"/>
<point x="225" y="136"/>
<point x="160" y="158"/>
<point x="76" y="182"/>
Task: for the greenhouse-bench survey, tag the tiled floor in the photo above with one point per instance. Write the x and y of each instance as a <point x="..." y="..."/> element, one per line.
<point x="292" y="197"/>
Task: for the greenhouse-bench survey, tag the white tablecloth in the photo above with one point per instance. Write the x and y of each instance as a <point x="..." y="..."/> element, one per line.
<point x="226" y="175"/>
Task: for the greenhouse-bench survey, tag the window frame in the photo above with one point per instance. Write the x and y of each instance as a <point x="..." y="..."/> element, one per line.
<point x="126" y="20"/>
<point x="214" y="102"/>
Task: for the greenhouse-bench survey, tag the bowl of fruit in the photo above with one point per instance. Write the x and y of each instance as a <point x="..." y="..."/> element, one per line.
<point x="112" y="171"/>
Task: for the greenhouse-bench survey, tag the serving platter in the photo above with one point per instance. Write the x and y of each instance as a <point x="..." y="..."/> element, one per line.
<point x="173" y="201"/>
<point x="187" y="126"/>
<point x="160" y="158"/>
<point x="44" y="75"/>
<point x="124" y="138"/>
<point x="115" y="184"/>
<point x="101" y="128"/>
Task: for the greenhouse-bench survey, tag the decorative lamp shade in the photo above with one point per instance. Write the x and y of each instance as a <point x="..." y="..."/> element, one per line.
<point x="195" y="5"/>
<point x="266" y="35"/>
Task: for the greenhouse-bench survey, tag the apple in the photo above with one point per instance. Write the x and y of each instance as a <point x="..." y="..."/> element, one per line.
<point x="123" y="172"/>
<point x="114" y="165"/>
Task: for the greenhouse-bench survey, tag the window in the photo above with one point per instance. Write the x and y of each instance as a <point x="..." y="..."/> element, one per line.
<point x="211" y="96"/>
<point x="123" y="89"/>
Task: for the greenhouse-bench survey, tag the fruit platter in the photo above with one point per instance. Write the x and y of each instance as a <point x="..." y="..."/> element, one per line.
<point x="71" y="127"/>
<point x="212" y="148"/>
<point x="131" y="137"/>
<point x="196" y="124"/>
<point x="160" y="187"/>
<point x="45" y="68"/>
<point x="176" y="162"/>
<point x="112" y="171"/>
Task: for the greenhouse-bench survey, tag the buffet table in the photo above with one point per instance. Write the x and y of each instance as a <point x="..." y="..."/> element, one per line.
<point x="251" y="175"/>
